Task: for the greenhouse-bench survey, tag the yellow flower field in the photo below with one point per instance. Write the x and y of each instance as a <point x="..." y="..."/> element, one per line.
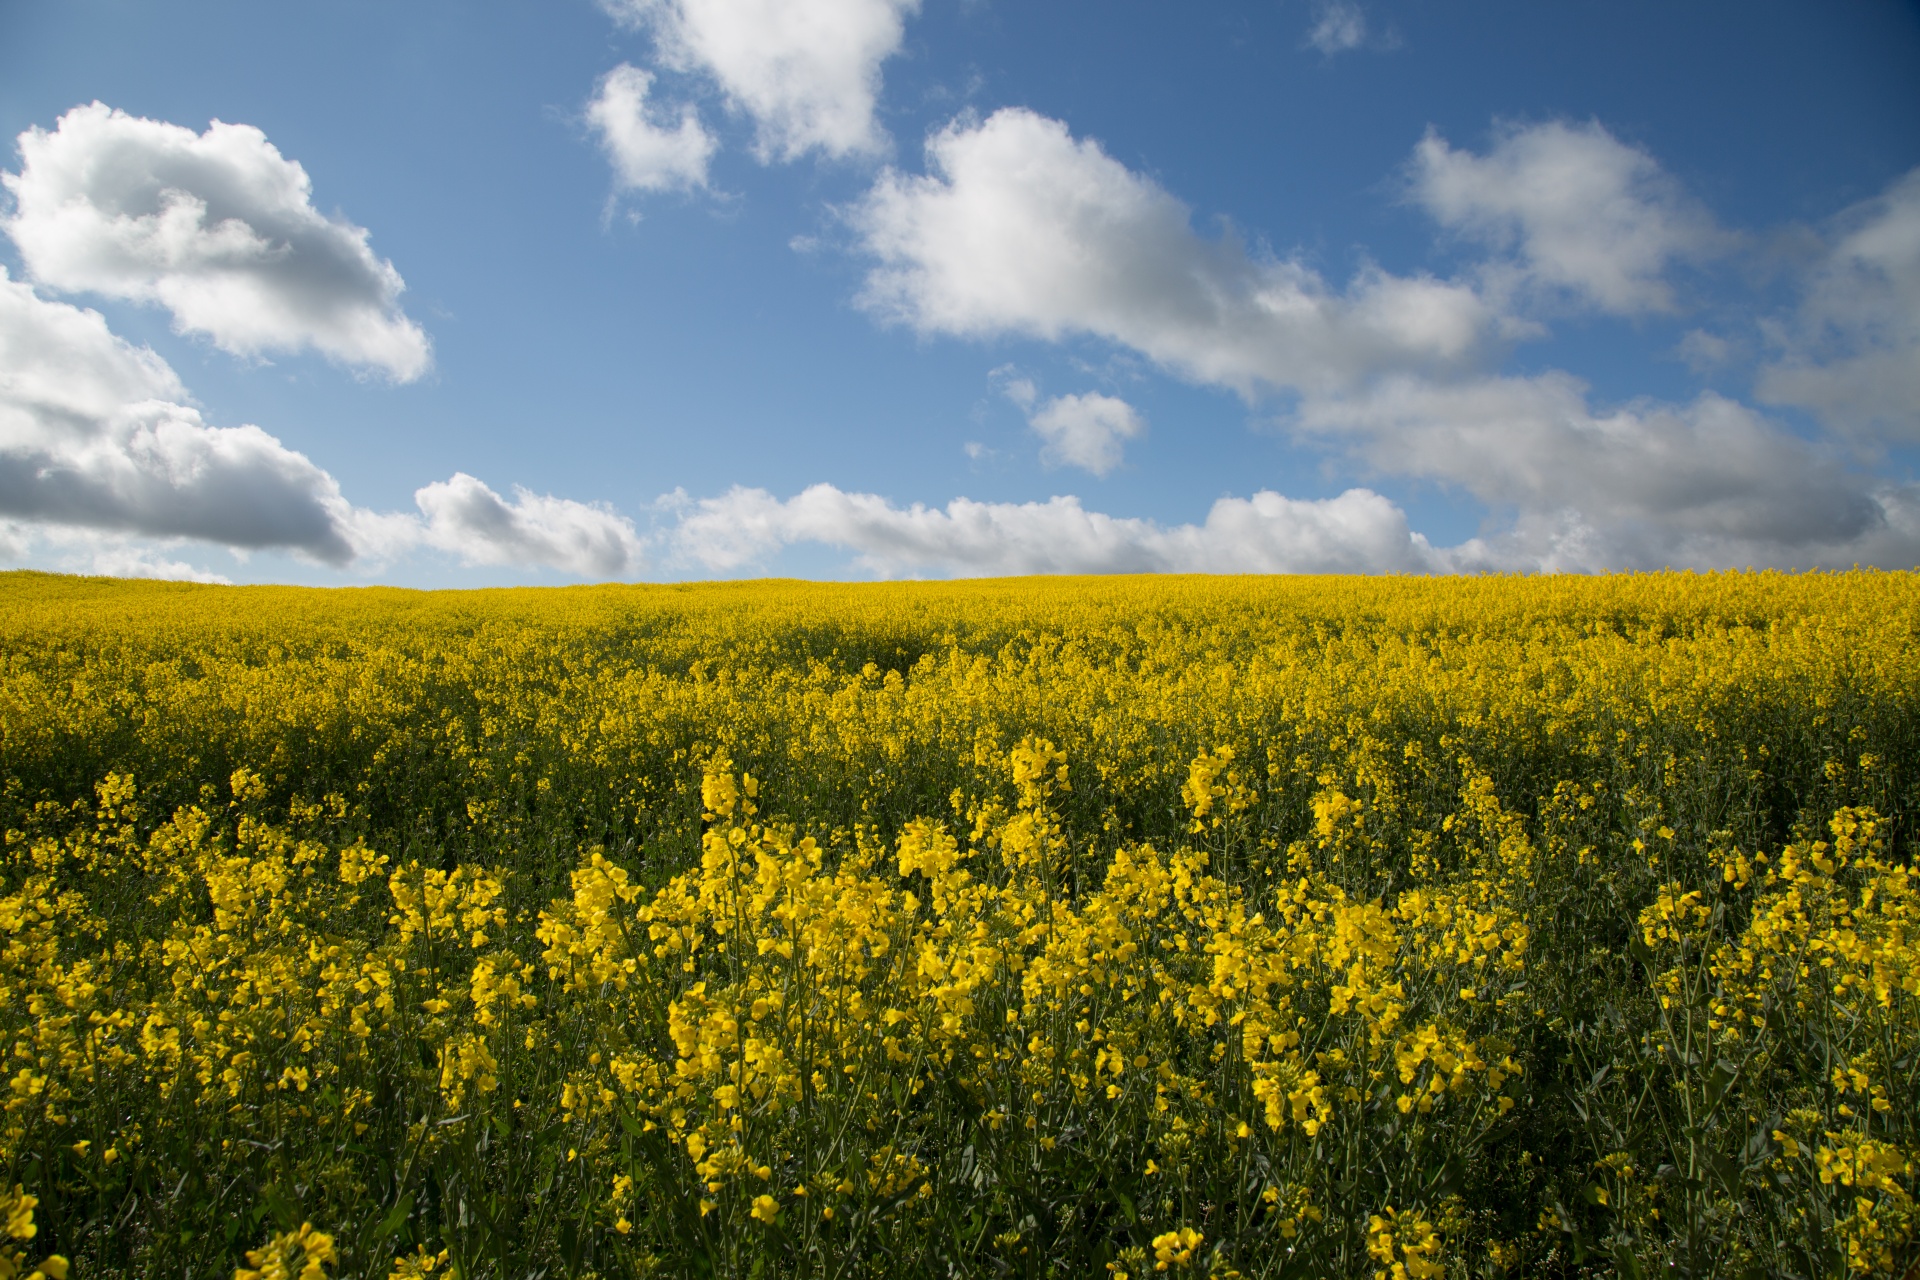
<point x="1265" y="927"/>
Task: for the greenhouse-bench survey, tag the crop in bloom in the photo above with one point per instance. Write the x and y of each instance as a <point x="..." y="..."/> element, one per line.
<point x="1201" y="927"/>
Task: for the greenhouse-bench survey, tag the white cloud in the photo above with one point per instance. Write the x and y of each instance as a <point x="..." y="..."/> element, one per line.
<point x="1706" y="483"/>
<point x="98" y="450"/>
<point x="1021" y="391"/>
<point x="93" y="435"/>
<point x="806" y="71"/>
<point x="649" y="150"/>
<point x="101" y="458"/>
<point x="1357" y="532"/>
<point x="1341" y="25"/>
<point x="1566" y="541"/>
<point x="1089" y="431"/>
<point x="1704" y="352"/>
<point x="217" y="227"/>
<point x="1020" y="228"/>
<point x="1854" y="356"/>
<point x="466" y="517"/>
<point x="129" y="560"/>
<point x="66" y="549"/>
<point x="1584" y="212"/>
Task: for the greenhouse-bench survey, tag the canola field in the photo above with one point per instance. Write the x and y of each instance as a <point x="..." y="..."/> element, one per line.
<point x="1404" y="928"/>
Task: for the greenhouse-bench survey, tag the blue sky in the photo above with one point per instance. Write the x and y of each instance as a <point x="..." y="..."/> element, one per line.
<point x="848" y="288"/>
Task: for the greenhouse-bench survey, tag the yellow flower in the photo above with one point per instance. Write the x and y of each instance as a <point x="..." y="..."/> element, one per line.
<point x="296" y="1255"/>
<point x="418" y="1264"/>
<point x="1175" y="1248"/>
<point x="18" y="1210"/>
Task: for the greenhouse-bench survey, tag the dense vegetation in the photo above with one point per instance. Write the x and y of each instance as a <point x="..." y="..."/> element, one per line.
<point x="1277" y="927"/>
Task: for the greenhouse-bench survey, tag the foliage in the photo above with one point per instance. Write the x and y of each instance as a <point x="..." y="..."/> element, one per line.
<point x="1262" y="927"/>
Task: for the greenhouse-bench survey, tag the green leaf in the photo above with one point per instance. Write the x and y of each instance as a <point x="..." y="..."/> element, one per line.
<point x="396" y="1217"/>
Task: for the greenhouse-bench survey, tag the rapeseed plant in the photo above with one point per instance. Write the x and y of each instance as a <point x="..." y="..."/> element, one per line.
<point x="1198" y="927"/>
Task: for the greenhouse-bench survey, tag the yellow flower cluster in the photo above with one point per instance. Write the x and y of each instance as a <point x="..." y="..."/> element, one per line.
<point x="1228" y="927"/>
<point x="295" y="1255"/>
<point x="798" y="996"/>
<point x="17" y="1208"/>
<point x="1818" y="990"/>
<point x="1176" y="1248"/>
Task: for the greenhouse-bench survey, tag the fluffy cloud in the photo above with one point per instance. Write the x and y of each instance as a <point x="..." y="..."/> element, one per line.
<point x="93" y="435"/>
<point x="1089" y="431"/>
<point x="1853" y="357"/>
<point x="1341" y="25"/>
<point x="1705" y="483"/>
<point x="1021" y="228"/>
<point x="217" y="227"/>
<point x="66" y="549"/>
<point x="806" y="71"/>
<point x="1704" y="352"/>
<point x="648" y="149"/>
<point x="1566" y="541"/>
<point x="1583" y="212"/>
<point x="1357" y="532"/>
<point x="112" y="556"/>
<point x="469" y="519"/>
<point x="99" y="447"/>
<point x="128" y="561"/>
<point x="98" y="451"/>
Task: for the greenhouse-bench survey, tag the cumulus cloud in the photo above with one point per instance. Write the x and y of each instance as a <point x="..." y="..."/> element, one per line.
<point x="1582" y="212"/>
<point x="467" y="518"/>
<point x="94" y="434"/>
<point x="217" y="227"/>
<point x="1568" y="541"/>
<point x="1339" y="26"/>
<point x="1357" y="532"/>
<point x="1017" y="227"/>
<point x="100" y="447"/>
<point x="1020" y="390"/>
<point x="1710" y="482"/>
<point x="1704" y="352"/>
<point x="159" y="470"/>
<point x="1705" y="484"/>
<point x="806" y="71"/>
<point x="66" y="549"/>
<point x="1853" y="354"/>
<point x="100" y="450"/>
<point x="1089" y="431"/>
<point x="650" y="149"/>
<point x="127" y="559"/>
<point x="1021" y="228"/>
